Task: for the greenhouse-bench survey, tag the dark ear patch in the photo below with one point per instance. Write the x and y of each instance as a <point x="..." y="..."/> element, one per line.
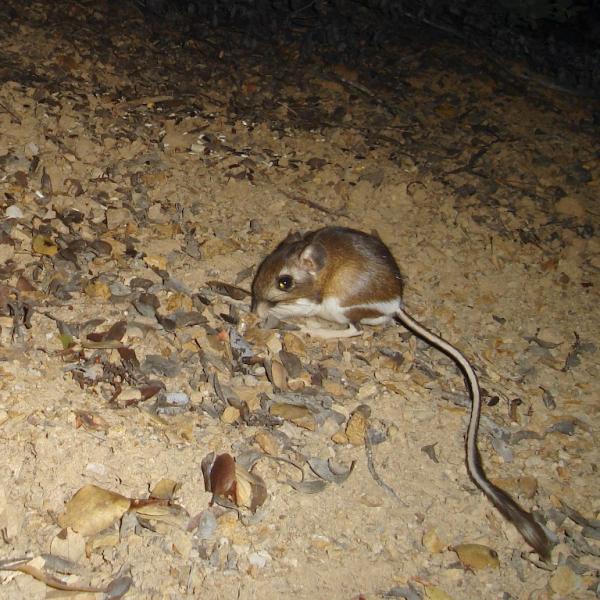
<point x="312" y="258"/>
<point x="292" y="236"/>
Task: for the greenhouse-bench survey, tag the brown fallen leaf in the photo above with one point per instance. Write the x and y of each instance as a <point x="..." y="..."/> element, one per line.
<point x="114" y="333"/>
<point x="90" y="421"/>
<point x="222" y="476"/>
<point x="231" y="481"/>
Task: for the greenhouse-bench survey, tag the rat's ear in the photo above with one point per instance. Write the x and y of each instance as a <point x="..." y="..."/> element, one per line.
<point x="292" y="236"/>
<point x="312" y="258"/>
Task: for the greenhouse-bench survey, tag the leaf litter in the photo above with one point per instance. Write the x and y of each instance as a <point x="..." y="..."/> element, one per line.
<point x="136" y="199"/>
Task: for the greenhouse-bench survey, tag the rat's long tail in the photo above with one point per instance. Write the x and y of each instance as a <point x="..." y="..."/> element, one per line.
<point x="529" y="528"/>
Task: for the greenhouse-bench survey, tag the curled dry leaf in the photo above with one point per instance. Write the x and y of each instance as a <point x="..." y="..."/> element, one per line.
<point x="226" y="479"/>
<point x="90" y="421"/>
<point x="251" y="490"/>
<point x="108" y="538"/>
<point x="219" y="474"/>
<point x="329" y="471"/>
<point x="477" y="556"/>
<point x="158" y="511"/>
<point x="93" y="509"/>
<point x="165" y="489"/>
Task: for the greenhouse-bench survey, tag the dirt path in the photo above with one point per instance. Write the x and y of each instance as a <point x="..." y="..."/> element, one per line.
<point x="139" y="166"/>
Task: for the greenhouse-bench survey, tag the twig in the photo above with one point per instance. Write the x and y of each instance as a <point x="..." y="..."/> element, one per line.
<point x="374" y="473"/>
<point x="314" y="205"/>
<point x="11" y="113"/>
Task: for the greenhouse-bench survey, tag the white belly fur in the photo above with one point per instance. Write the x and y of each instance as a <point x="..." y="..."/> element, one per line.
<point x="331" y="310"/>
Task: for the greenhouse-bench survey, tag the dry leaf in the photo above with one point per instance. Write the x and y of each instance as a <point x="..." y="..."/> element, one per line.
<point x="230" y="415"/>
<point x="268" y="443"/>
<point x="68" y="544"/>
<point x="98" y="289"/>
<point x="222" y="476"/>
<point x="93" y="509"/>
<point x="357" y="425"/>
<point x="165" y="489"/>
<point x="90" y="421"/>
<point x="299" y="415"/>
<point x="329" y="471"/>
<point x="156" y="261"/>
<point x="227" y="479"/>
<point x="36" y="567"/>
<point x="158" y="511"/>
<point x="44" y="245"/>
<point x="293" y="344"/>
<point x="180" y="302"/>
<point x="277" y="374"/>
<point x="433" y="592"/>
<point x="251" y="490"/>
<point x="432" y="541"/>
<point x="225" y="289"/>
<point x="477" y="556"/>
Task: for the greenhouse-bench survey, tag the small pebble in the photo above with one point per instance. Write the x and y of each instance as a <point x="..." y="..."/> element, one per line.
<point x="564" y="581"/>
<point x="259" y="559"/>
<point x="13" y="212"/>
<point x="230" y="415"/>
<point x="96" y="469"/>
<point x="177" y="398"/>
<point x="207" y="525"/>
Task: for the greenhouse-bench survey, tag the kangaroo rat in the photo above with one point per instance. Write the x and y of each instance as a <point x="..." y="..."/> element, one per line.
<point x="350" y="277"/>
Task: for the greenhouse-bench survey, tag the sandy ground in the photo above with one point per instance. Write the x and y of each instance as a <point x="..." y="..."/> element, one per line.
<point x="139" y="164"/>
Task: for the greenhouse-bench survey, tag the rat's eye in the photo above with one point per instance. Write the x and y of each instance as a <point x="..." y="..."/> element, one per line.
<point x="285" y="283"/>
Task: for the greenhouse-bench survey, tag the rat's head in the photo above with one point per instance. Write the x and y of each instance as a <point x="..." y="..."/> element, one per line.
<point x="286" y="282"/>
